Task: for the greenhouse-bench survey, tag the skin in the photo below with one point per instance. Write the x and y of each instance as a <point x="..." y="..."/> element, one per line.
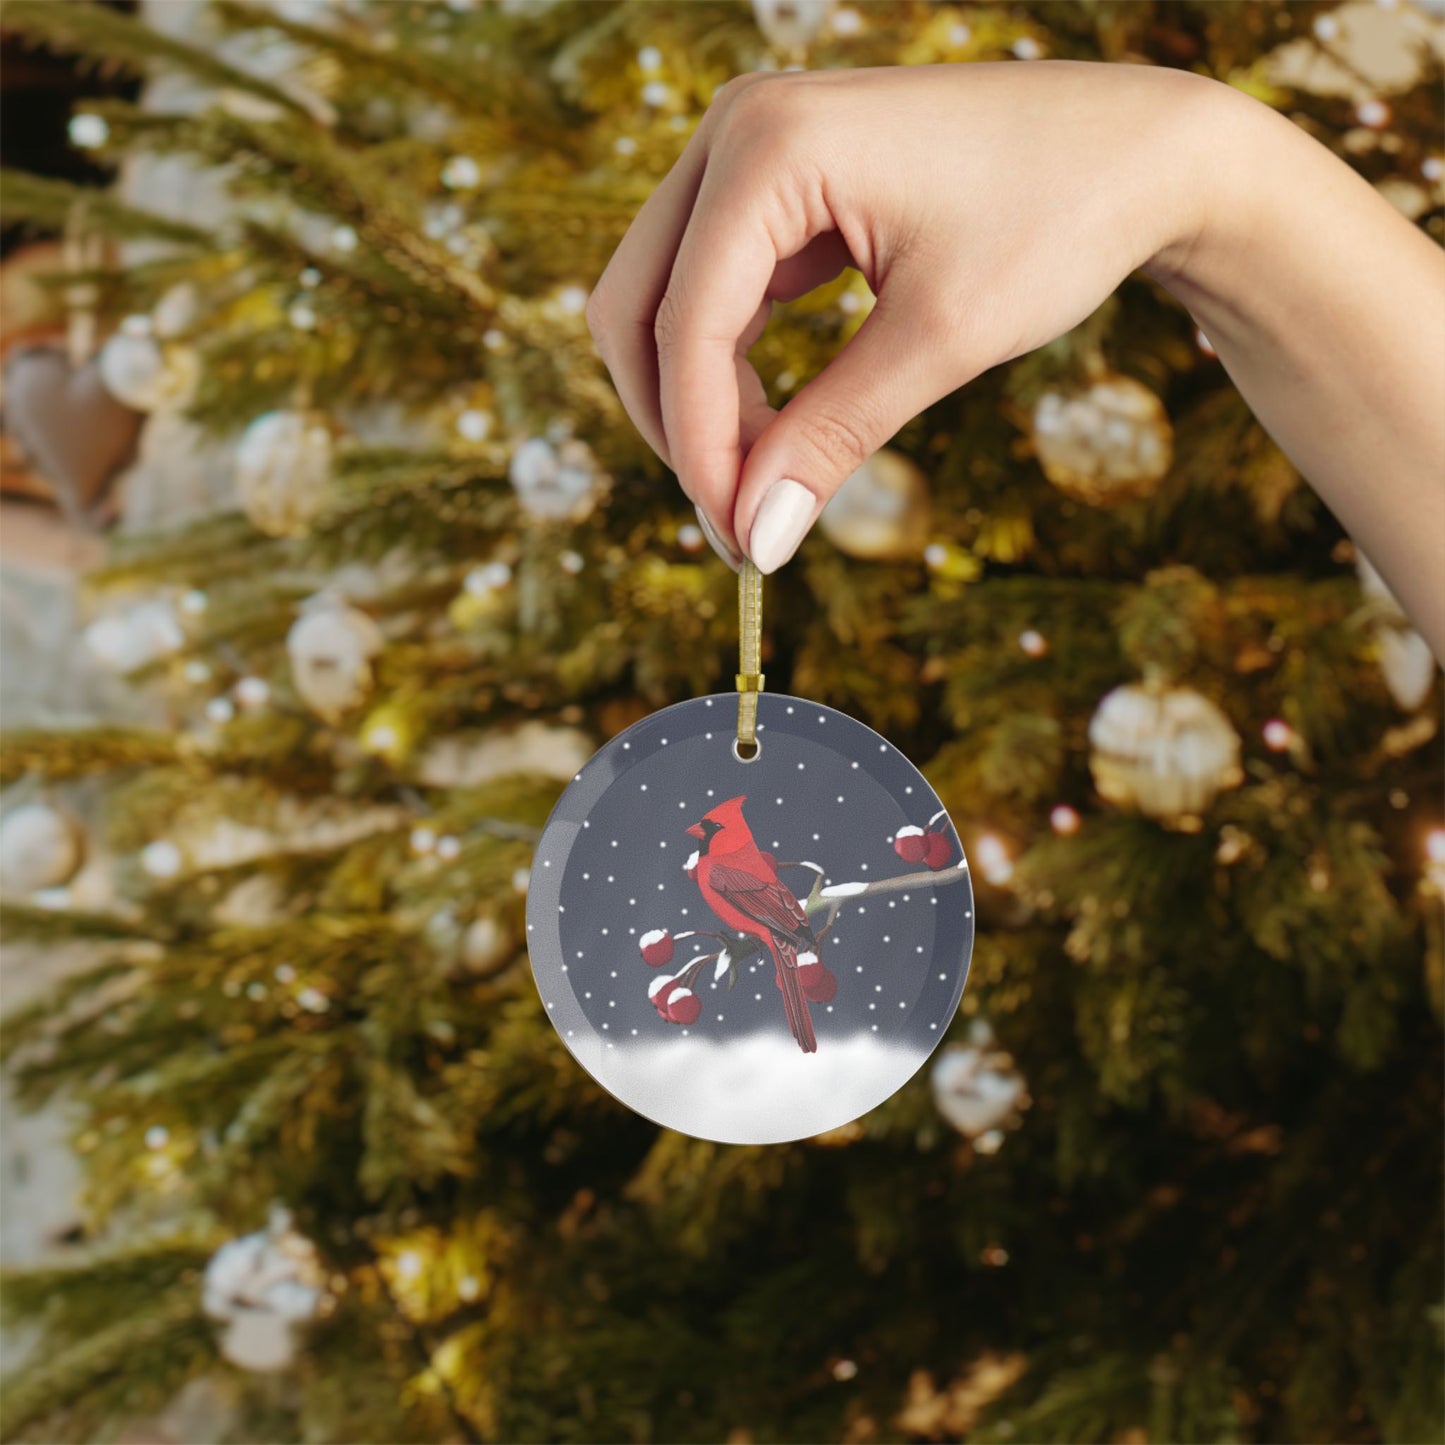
<point x="991" y="208"/>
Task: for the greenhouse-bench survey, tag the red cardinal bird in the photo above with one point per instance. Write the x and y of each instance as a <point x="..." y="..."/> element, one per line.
<point x="739" y="882"/>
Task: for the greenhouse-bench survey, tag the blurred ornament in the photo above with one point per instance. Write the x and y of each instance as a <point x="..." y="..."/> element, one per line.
<point x="1109" y="443"/>
<point x="261" y="1287"/>
<point x="555" y="481"/>
<point x="486" y="946"/>
<point x="65" y="420"/>
<point x="976" y="1086"/>
<point x="331" y="647"/>
<point x="1033" y="643"/>
<point x="1165" y="751"/>
<point x="141" y="373"/>
<point x="882" y="511"/>
<point x="283" y="470"/>
<point x="1435" y="859"/>
<point x="40" y="847"/>
<point x="1405" y="658"/>
<point x="792" y="25"/>
<point x="135" y="637"/>
<point x="468" y="760"/>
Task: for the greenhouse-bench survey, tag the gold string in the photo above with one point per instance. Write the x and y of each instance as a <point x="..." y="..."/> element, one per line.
<point x="750" y="648"/>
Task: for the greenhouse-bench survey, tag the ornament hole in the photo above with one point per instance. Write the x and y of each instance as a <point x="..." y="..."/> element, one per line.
<point x="747" y="752"/>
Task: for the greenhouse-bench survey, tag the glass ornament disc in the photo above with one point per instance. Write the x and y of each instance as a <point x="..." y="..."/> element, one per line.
<point x="750" y="951"/>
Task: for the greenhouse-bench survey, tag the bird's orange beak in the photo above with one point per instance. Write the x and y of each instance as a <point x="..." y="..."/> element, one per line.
<point x="696" y="832"/>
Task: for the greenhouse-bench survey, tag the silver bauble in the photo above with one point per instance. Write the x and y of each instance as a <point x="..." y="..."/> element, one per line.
<point x="283" y="470"/>
<point x="331" y="647"/>
<point x="1163" y="751"/>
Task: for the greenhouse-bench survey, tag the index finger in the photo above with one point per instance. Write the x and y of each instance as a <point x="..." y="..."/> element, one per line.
<point x="719" y="285"/>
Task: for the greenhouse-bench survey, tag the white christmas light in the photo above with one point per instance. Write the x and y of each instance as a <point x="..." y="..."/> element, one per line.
<point x="461" y="173"/>
<point x="161" y="859"/>
<point x="959" y="35"/>
<point x="252" y="692"/>
<point x="520" y="879"/>
<point x="408" y="1264"/>
<point x="310" y="278"/>
<point x="196" y="671"/>
<point x="1435" y="845"/>
<point x="449" y="848"/>
<point x="194" y="602"/>
<point x="313" y="1000"/>
<point x="1326" y="27"/>
<point x="1373" y="113"/>
<point x="993" y="858"/>
<point x="302" y="317"/>
<point x="572" y="300"/>
<point x="571" y="562"/>
<point x="468" y="1288"/>
<point x="474" y="425"/>
<point x="1278" y="735"/>
<point x="157" y="1136"/>
<point x="624" y="145"/>
<point x="284" y="973"/>
<point x="1027" y="48"/>
<point x="1064" y="820"/>
<point x="490" y="577"/>
<point x="1033" y="642"/>
<point x="88" y="132"/>
<point x="689" y="537"/>
<point x="847" y="22"/>
<point x="649" y="58"/>
<point x="935" y="554"/>
<point x="220" y="710"/>
<point x="1432" y="168"/>
<point x="656" y="93"/>
<point x="344" y="238"/>
<point x="423" y="840"/>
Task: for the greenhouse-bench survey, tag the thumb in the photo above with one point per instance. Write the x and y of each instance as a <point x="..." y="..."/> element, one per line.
<point x="902" y="359"/>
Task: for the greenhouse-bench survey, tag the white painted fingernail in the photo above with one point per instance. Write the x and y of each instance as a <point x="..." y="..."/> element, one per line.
<point x="715" y="541"/>
<point x="782" y="522"/>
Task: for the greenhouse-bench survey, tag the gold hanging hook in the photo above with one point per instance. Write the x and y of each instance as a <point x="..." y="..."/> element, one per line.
<point x="750" y="648"/>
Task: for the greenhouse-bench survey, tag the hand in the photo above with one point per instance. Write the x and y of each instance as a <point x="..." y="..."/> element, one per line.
<point x="990" y="207"/>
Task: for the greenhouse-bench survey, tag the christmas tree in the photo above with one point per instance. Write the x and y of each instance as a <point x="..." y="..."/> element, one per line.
<point x="1176" y="1173"/>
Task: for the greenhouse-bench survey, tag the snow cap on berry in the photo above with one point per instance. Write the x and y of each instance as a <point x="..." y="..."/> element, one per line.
<point x="656" y="947"/>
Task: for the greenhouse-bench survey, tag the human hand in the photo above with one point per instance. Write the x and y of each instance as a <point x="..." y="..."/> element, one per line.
<point x="990" y="207"/>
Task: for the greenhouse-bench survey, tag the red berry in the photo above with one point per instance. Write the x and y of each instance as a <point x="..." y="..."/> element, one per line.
<point x="938" y="851"/>
<point x="659" y="991"/>
<point x="656" y="947"/>
<point x="823" y="989"/>
<point x="683" y="1006"/>
<point x="910" y="844"/>
<point x="810" y="969"/>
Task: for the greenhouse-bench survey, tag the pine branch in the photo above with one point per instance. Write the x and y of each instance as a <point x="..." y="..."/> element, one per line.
<point x="51" y="204"/>
<point x="111" y="38"/>
<point x="82" y="752"/>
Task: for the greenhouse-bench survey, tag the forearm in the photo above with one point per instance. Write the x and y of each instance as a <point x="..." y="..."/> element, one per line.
<point x="1327" y="309"/>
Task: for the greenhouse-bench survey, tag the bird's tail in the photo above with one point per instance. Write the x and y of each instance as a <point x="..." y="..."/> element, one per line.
<point x="800" y="1021"/>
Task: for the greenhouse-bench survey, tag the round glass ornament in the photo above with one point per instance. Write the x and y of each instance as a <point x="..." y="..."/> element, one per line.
<point x="750" y="950"/>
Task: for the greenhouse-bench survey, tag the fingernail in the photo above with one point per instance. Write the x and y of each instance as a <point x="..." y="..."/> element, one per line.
<point x="716" y="542"/>
<point x="781" y="524"/>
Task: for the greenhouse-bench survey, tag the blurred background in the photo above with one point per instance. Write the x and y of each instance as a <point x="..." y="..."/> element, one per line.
<point x="329" y="554"/>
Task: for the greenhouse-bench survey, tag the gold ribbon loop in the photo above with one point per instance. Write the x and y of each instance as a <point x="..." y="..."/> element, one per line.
<point x="750" y="649"/>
